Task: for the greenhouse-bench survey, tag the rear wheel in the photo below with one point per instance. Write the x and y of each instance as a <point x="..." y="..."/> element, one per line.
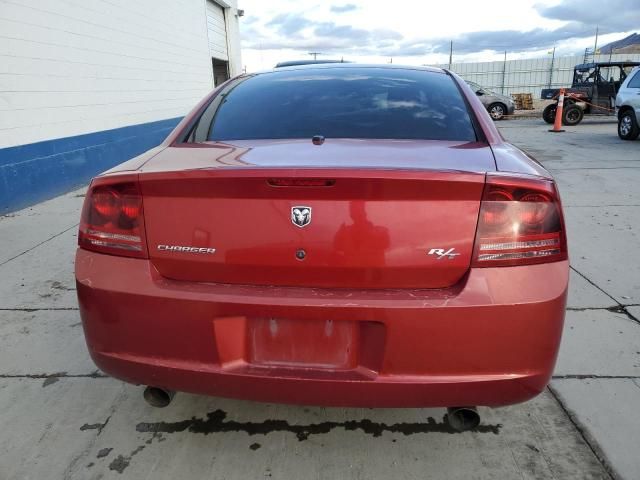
<point x="628" y="126"/>
<point x="497" y="111"/>
<point x="572" y="115"/>
<point x="549" y="113"/>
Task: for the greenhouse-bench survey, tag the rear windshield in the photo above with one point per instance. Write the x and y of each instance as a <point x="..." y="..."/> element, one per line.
<point x="379" y="103"/>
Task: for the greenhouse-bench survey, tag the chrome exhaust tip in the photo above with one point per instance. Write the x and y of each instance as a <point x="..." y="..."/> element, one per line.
<point x="158" y="397"/>
<point x="462" y="419"/>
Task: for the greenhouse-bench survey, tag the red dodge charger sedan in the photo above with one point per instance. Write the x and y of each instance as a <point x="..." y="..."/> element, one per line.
<point x="337" y="234"/>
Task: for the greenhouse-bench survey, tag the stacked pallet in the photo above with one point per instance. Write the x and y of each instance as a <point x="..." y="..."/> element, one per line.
<point x="523" y="101"/>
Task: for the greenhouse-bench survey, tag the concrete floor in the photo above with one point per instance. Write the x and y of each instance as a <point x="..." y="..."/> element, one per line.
<point x="62" y="419"/>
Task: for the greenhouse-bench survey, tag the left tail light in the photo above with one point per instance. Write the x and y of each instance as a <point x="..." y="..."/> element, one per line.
<point x="113" y="220"/>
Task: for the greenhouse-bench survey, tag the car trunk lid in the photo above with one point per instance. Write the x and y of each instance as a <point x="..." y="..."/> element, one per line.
<point x="358" y="226"/>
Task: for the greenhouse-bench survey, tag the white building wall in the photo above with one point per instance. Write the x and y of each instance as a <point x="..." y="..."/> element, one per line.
<point x="527" y="76"/>
<point x="69" y="67"/>
<point x="233" y="39"/>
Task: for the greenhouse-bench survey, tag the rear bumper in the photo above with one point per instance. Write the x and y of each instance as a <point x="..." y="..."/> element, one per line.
<point x="491" y="340"/>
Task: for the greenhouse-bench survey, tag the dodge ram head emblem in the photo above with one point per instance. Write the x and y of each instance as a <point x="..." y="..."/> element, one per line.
<point x="301" y="216"/>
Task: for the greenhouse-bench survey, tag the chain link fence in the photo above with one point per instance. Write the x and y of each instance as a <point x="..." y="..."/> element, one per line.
<point x="530" y="75"/>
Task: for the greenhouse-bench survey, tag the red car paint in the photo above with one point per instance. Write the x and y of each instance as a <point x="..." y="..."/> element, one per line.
<point x="369" y="316"/>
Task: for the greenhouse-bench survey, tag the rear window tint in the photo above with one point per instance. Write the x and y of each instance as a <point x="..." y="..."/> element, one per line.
<point x="344" y="103"/>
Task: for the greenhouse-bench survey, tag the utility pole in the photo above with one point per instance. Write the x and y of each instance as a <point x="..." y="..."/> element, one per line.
<point x="450" y="53"/>
<point x="504" y="70"/>
<point x="553" y="57"/>
<point x="595" y="46"/>
<point x="315" y="54"/>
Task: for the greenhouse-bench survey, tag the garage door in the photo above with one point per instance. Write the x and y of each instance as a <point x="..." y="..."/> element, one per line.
<point x="217" y="31"/>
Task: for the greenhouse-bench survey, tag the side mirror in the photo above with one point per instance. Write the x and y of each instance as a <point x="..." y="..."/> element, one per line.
<point x="480" y="93"/>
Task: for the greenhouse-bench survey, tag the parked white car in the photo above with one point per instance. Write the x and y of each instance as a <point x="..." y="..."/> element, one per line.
<point x="628" y="106"/>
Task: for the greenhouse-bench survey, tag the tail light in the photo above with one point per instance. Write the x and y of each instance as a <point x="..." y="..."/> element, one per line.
<point x="112" y="220"/>
<point x="520" y="223"/>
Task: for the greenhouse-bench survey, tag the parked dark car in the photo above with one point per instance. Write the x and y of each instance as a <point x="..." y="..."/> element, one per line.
<point x="497" y="105"/>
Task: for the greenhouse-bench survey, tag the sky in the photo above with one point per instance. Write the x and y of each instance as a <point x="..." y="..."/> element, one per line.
<point x="415" y="32"/>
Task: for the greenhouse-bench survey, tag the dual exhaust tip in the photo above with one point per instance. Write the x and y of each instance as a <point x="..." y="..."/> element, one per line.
<point x="460" y="419"/>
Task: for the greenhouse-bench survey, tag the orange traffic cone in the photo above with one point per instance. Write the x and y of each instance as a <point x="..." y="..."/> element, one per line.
<point x="557" y="124"/>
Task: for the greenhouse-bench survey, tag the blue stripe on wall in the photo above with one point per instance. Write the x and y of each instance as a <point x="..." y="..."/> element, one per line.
<point x="32" y="173"/>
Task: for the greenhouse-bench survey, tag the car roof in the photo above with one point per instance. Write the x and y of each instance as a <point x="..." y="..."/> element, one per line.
<point x="294" y="63"/>
<point x="326" y="66"/>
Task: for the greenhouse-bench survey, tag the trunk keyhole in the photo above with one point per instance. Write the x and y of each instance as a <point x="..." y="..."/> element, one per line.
<point x="300" y="254"/>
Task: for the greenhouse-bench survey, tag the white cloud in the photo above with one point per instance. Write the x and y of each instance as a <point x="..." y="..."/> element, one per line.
<point x="416" y="32"/>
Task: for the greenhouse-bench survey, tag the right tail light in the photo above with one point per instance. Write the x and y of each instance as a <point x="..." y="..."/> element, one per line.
<point x="520" y="223"/>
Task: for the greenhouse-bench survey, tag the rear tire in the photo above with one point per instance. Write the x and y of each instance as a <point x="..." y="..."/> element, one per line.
<point x="572" y="115"/>
<point x="549" y="113"/>
<point x="497" y="111"/>
<point x="628" y="126"/>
